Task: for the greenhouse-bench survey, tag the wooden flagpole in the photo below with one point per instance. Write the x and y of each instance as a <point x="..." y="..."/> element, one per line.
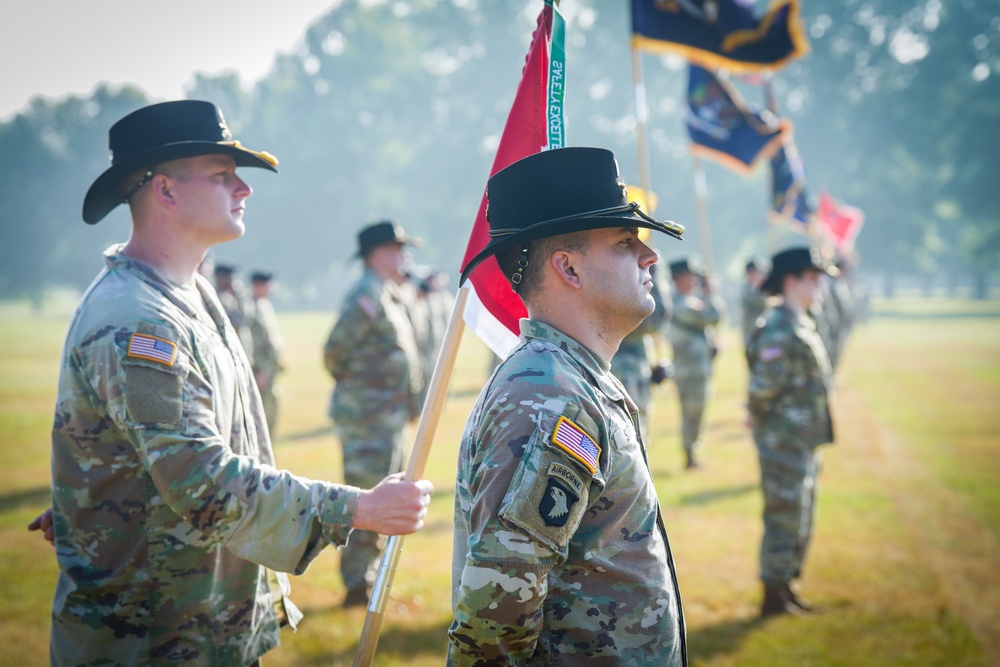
<point x="437" y="392"/>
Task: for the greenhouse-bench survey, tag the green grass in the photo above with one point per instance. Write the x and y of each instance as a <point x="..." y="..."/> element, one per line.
<point x="904" y="555"/>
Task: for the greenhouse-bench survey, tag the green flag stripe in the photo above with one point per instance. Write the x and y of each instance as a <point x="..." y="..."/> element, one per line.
<point x="557" y="81"/>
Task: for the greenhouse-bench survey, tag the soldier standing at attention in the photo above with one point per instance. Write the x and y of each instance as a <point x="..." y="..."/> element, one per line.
<point x="372" y="356"/>
<point x="560" y="553"/>
<point x="789" y="406"/>
<point x="695" y="313"/>
<point x="753" y="301"/>
<point x="267" y="345"/>
<point x="238" y="308"/>
<point x="167" y="507"/>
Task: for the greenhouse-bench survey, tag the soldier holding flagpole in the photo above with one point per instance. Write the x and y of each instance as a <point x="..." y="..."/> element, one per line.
<point x="560" y="553"/>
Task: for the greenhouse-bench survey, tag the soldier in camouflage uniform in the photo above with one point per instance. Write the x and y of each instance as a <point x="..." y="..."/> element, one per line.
<point x="753" y="301"/>
<point x="167" y="507"/>
<point x="789" y="406"/>
<point x="372" y="356"/>
<point x="436" y="303"/>
<point x="695" y="314"/>
<point x="239" y="308"/>
<point x="267" y="346"/>
<point x="636" y="364"/>
<point x="560" y="553"/>
<point x="839" y="313"/>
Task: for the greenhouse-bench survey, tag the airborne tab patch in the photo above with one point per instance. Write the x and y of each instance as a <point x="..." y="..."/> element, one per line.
<point x="574" y="441"/>
<point x="144" y="346"/>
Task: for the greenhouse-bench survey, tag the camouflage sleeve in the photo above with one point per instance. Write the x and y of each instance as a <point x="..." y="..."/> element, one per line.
<point x="167" y="411"/>
<point x="529" y="495"/>
<point x="694" y="313"/>
<point x="770" y="366"/>
<point x="715" y="308"/>
<point x="353" y="325"/>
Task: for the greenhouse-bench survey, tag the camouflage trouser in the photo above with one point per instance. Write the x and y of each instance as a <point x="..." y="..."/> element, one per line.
<point x="788" y="479"/>
<point x="368" y="457"/>
<point x="693" y="393"/>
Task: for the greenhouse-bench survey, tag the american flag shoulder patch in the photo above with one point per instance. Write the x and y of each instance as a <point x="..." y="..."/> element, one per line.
<point x="770" y="354"/>
<point x="144" y="346"/>
<point x="574" y="441"/>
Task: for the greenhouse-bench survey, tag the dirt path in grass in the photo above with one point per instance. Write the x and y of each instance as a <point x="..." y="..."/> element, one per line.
<point x="963" y="554"/>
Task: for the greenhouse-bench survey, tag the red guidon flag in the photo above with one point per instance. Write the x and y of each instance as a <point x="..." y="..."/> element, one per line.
<point x="841" y="222"/>
<point x="534" y="124"/>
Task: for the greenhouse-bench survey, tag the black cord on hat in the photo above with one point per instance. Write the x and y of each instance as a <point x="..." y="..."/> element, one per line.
<point x="146" y="178"/>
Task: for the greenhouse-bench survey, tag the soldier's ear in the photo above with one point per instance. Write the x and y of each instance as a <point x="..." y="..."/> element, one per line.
<point x="562" y="262"/>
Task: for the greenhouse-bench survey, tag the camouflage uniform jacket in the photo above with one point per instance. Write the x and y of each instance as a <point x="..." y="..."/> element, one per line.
<point x="372" y="356"/>
<point x="789" y="380"/>
<point x="240" y="311"/>
<point x="691" y="316"/>
<point x="267" y="341"/>
<point x="560" y="553"/>
<point x="164" y="493"/>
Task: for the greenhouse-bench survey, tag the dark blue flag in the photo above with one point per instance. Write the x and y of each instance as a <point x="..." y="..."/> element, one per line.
<point x="722" y="34"/>
<point x="789" y="201"/>
<point x="724" y="127"/>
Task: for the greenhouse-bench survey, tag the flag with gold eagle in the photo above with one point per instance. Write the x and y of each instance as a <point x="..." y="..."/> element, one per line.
<point x="721" y="34"/>
<point x="726" y="128"/>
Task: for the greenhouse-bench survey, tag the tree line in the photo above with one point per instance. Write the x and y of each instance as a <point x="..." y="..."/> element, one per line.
<point x="394" y="110"/>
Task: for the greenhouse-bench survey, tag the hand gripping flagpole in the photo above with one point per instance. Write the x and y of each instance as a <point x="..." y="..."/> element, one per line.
<point x="436" y="393"/>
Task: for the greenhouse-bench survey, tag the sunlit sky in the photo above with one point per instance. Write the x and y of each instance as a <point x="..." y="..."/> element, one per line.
<point x="57" y="47"/>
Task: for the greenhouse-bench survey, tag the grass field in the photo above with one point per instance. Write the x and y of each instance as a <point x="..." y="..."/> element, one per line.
<point x="906" y="554"/>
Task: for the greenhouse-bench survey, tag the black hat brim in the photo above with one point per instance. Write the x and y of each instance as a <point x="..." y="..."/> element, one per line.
<point x="547" y="229"/>
<point x="103" y="196"/>
<point x="412" y="241"/>
<point x="772" y="284"/>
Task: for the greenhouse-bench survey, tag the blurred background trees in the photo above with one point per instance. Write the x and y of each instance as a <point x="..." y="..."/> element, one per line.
<point x="393" y="109"/>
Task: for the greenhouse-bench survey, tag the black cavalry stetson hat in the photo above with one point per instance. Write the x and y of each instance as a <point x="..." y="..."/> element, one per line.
<point x="382" y="232"/>
<point x="557" y="192"/>
<point x="162" y="132"/>
<point x="690" y="264"/>
<point x="792" y="261"/>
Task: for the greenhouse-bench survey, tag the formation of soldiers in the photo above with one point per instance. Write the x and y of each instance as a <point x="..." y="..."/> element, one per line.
<point x="390" y="327"/>
<point x="168" y="505"/>
<point x="380" y="354"/>
<point x="256" y="324"/>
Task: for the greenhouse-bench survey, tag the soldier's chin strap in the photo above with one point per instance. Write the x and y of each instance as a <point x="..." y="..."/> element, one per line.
<point x="522" y="264"/>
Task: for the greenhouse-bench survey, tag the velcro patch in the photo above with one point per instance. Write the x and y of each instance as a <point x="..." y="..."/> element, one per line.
<point x="144" y="346"/>
<point x="574" y="441"/>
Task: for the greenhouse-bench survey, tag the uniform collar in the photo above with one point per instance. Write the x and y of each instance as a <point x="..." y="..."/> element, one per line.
<point x="180" y="296"/>
<point x="598" y="369"/>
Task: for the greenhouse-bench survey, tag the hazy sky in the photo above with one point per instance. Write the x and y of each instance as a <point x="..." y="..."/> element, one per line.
<point x="55" y="47"/>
